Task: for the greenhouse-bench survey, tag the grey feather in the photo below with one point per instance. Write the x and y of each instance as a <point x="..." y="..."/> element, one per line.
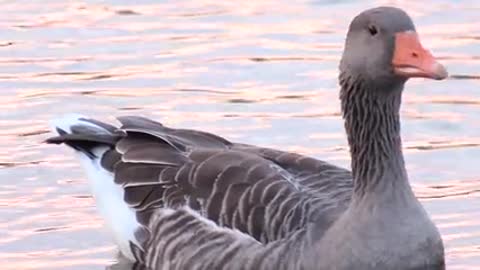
<point x="206" y="203"/>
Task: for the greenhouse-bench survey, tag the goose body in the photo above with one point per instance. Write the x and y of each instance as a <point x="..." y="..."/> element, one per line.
<point x="187" y="199"/>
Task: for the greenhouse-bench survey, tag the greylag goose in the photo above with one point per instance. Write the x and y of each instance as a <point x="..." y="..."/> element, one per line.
<point x="187" y="199"/>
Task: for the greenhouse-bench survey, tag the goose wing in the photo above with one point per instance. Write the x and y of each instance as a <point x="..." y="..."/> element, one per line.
<point x="175" y="178"/>
<point x="320" y="178"/>
<point x="262" y="192"/>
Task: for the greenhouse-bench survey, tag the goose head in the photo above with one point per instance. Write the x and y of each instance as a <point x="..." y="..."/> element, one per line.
<point x="382" y="46"/>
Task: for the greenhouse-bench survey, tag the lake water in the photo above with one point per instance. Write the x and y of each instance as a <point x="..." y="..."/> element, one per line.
<point x="262" y="72"/>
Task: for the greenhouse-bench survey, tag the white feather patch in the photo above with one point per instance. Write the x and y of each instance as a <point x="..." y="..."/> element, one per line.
<point x="119" y="217"/>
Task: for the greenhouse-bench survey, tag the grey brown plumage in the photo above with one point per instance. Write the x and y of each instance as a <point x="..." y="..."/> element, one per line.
<point x="263" y="192"/>
<point x="265" y="195"/>
<point x="202" y="202"/>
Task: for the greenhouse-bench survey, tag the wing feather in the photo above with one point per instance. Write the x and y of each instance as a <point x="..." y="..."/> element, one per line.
<point x="195" y="192"/>
<point x="265" y="193"/>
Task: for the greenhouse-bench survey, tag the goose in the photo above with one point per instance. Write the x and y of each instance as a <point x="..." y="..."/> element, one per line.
<point x="188" y="199"/>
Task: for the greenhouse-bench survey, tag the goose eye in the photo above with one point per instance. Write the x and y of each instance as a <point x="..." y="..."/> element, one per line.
<point x="373" y="30"/>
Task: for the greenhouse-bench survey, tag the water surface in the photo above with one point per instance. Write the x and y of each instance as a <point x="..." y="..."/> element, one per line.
<point x="262" y="72"/>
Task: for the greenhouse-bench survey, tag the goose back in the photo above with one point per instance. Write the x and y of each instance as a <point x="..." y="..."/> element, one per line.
<point x="264" y="193"/>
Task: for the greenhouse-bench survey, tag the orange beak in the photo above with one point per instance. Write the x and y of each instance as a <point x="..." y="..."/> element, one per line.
<point x="410" y="59"/>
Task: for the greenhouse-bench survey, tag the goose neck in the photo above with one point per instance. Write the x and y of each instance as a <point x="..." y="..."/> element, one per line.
<point x="372" y="122"/>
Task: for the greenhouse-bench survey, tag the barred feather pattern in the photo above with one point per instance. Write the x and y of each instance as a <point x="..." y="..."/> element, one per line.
<point x="183" y="240"/>
<point x="203" y="199"/>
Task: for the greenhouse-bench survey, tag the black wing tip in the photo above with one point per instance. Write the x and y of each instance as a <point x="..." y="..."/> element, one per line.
<point x="60" y="138"/>
<point x="81" y="146"/>
<point x="54" y="140"/>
